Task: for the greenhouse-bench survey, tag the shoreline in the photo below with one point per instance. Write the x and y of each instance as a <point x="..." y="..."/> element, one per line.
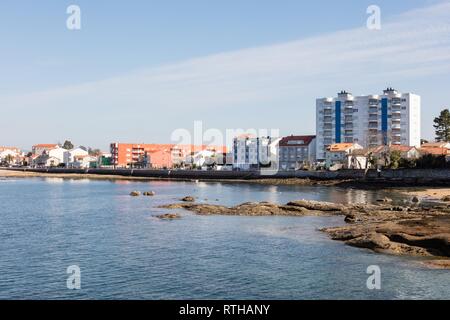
<point x="428" y="188"/>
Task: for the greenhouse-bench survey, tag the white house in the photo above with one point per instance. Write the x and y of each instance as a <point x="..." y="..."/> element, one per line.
<point x="69" y="155"/>
<point x="39" y="149"/>
<point x="83" y="161"/>
<point x="44" y="160"/>
<point x="337" y="153"/>
<point x="10" y="154"/>
<point x="57" y="153"/>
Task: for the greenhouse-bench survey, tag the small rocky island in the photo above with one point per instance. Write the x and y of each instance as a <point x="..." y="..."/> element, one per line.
<point x="413" y="229"/>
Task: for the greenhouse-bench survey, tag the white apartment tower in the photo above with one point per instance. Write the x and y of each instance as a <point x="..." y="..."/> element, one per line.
<point x="392" y="118"/>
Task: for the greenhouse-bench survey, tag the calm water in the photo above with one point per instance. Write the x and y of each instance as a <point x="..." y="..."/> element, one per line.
<point x="124" y="252"/>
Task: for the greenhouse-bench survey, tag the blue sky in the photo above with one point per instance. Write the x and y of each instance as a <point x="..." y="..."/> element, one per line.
<point x="138" y="70"/>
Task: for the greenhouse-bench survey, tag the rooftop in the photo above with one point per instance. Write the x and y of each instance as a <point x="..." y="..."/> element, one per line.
<point x="296" y="141"/>
<point x="337" y="147"/>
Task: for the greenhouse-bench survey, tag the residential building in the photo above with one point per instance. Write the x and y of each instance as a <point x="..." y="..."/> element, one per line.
<point x="57" y="152"/>
<point x="358" y="159"/>
<point x="10" y="155"/>
<point x="39" y="149"/>
<point x="250" y="152"/>
<point x="337" y="154"/>
<point x="295" y="152"/>
<point x="155" y="155"/>
<point x="435" y="151"/>
<point x="436" y="145"/>
<point x="406" y="152"/>
<point x="69" y="156"/>
<point x="84" y="161"/>
<point x="391" y="118"/>
<point x="44" y="160"/>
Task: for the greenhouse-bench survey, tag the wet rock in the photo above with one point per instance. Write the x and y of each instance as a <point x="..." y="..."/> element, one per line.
<point x="385" y="200"/>
<point x="446" y="198"/>
<point x="317" y="205"/>
<point x="149" y="193"/>
<point x="415" y="200"/>
<point x="169" y="216"/>
<point x="257" y="209"/>
<point x="188" y="199"/>
<point x="135" y="193"/>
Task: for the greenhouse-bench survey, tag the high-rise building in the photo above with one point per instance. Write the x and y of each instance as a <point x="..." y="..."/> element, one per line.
<point x="392" y="118"/>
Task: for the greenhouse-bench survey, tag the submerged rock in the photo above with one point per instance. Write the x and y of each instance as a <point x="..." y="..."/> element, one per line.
<point x="385" y="200"/>
<point x="169" y="216"/>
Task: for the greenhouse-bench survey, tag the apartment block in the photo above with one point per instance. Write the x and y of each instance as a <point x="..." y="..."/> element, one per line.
<point x="296" y="151"/>
<point x="155" y="155"/>
<point x="391" y="118"/>
<point x="251" y="152"/>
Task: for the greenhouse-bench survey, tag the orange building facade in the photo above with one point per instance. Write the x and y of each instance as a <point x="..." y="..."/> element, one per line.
<point x="156" y="156"/>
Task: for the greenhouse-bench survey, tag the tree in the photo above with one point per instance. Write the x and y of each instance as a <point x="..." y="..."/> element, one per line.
<point x="442" y="126"/>
<point x="94" y="152"/>
<point x="9" y="159"/>
<point x="67" y="145"/>
<point x="395" y="158"/>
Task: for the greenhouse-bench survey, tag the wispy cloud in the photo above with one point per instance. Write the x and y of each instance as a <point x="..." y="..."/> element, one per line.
<point x="412" y="45"/>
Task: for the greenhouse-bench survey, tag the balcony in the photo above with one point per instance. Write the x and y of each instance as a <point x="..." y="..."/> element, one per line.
<point x="396" y="126"/>
<point x="373" y="111"/>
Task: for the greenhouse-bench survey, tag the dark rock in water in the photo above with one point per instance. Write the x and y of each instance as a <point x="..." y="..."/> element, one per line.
<point x="135" y="193"/>
<point x="169" y="216"/>
<point x="188" y="199"/>
<point x="149" y="193"/>
<point x="415" y="200"/>
<point x="446" y="199"/>
<point x="351" y="218"/>
<point x="385" y="200"/>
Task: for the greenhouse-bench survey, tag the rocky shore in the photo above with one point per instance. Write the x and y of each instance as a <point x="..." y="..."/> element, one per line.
<point x="411" y="229"/>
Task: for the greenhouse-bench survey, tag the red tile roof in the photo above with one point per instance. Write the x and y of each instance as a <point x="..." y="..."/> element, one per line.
<point x="296" y="141"/>
<point x="45" y="145"/>
<point x="338" y="147"/>
<point x="401" y="148"/>
<point x="435" y="151"/>
<point x="434" y="145"/>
